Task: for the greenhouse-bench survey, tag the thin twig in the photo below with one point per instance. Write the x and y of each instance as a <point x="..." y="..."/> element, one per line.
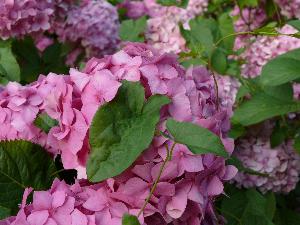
<point x="168" y="157"/>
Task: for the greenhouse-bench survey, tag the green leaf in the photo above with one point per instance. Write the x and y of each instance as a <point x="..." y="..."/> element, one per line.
<point x="270" y="204"/>
<point x="4" y="212"/>
<point x="236" y="131"/>
<point x="45" y="122"/>
<point x="201" y="34"/>
<point x="132" y="30"/>
<point x="286" y="217"/>
<point x="226" y="28"/>
<point x="295" y="24"/>
<point x="29" y="59"/>
<point x="266" y="30"/>
<point x="270" y="8"/>
<point x="219" y="61"/>
<point x="22" y="164"/>
<point x="297" y="144"/>
<point x="121" y="130"/>
<point x="262" y="106"/>
<point x="247" y="3"/>
<point x="278" y="135"/>
<point x="180" y="3"/>
<point x="9" y="64"/>
<point x="130" y="220"/>
<point x="247" y="207"/>
<point x="198" y="139"/>
<point x="283" y="69"/>
<point x="53" y="59"/>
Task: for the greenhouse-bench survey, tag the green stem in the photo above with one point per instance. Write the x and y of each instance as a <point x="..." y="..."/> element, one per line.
<point x="57" y="172"/>
<point x="168" y="157"/>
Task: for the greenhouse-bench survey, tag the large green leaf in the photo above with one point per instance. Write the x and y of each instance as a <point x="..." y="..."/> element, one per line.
<point x="262" y="106"/>
<point x="132" y="30"/>
<point x="198" y="139"/>
<point x="22" y="164"/>
<point x="121" y="130"/>
<point x="9" y="67"/>
<point x="286" y="217"/>
<point x="282" y="69"/>
<point x="130" y="220"/>
<point x="29" y="59"/>
<point x="248" y="207"/>
<point x="295" y="24"/>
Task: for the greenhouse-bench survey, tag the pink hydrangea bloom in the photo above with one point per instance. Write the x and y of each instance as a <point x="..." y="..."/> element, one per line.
<point x="249" y="19"/>
<point x="228" y="88"/>
<point x="265" y="48"/>
<point x="282" y="164"/>
<point x="42" y="42"/>
<point x="94" y="25"/>
<point x="188" y="184"/>
<point x="21" y="17"/>
<point x="289" y="8"/>
<point x="163" y="31"/>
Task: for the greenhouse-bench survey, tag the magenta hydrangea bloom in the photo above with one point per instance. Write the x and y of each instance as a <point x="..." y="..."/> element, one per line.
<point x="21" y="17"/>
<point x="189" y="184"/>
<point x="94" y="25"/>
<point x="281" y="164"/>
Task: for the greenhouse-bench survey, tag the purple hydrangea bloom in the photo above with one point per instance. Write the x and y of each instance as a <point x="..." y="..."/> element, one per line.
<point x="281" y="164"/>
<point x="21" y="17"/>
<point x="94" y="25"/>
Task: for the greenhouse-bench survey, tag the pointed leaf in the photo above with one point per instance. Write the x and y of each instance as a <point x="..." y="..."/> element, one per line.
<point x="121" y="130"/>
<point x="22" y="164"/>
<point x="198" y="139"/>
<point x="130" y="220"/>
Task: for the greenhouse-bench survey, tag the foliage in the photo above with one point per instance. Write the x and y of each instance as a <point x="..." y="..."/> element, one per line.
<point x="132" y="30"/>
<point x="117" y="126"/>
<point x="18" y="172"/>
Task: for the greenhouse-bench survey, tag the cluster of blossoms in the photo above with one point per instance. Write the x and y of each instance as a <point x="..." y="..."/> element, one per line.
<point x="281" y="164"/>
<point x="189" y="183"/>
<point x="163" y="26"/>
<point x="91" y="25"/>
<point x="21" y="17"/>
<point x="265" y="48"/>
<point x="94" y="25"/>
<point x="289" y="8"/>
<point x="254" y="151"/>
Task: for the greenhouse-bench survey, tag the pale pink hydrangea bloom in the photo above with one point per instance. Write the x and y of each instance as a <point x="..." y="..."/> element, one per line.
<point x="289" y="8"/>
<point x="21" y="17"/>
<point x="228" y="88"/>
<point x="163" y="31"/>
<point x="265" y="48"/>
<point x="281" y="164"/>
<point x="189" y="184"/>
<point x="247" y="20"/>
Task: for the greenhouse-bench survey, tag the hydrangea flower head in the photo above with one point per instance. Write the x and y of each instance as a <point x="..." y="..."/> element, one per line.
<point x="189" y="183"/>
<point x="21" y="17"/>
<point x="282" y="164"/>
<point x="94" y="25"/>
